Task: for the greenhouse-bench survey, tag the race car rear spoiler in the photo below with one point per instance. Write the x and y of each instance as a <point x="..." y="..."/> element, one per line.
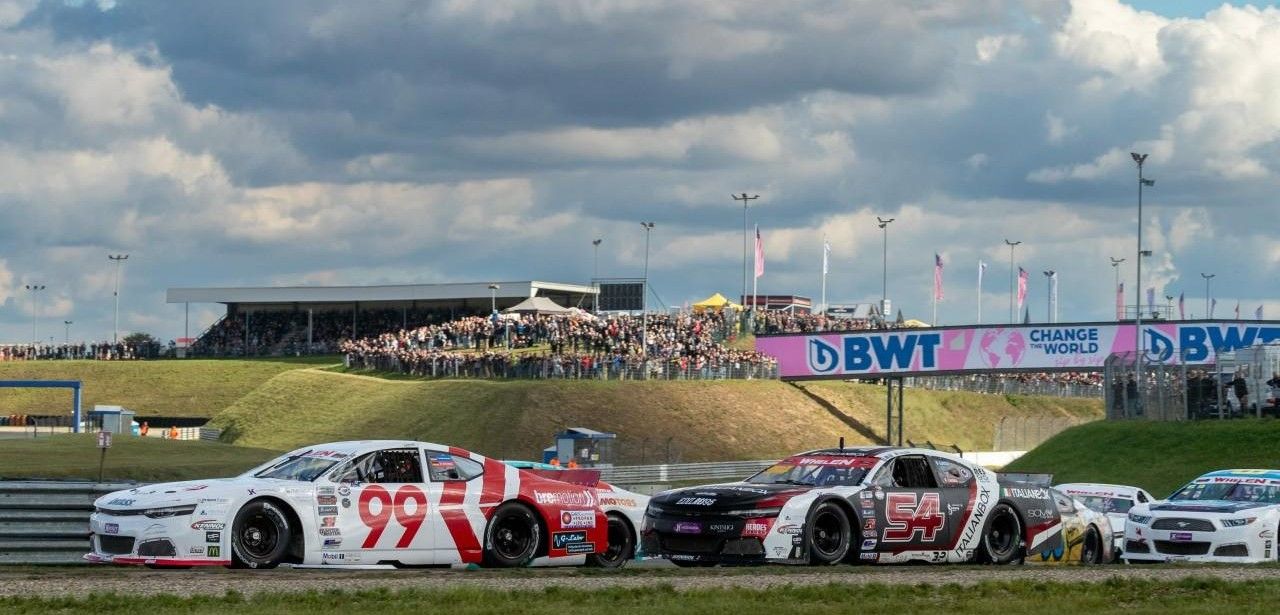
<point x="1039" y="480"/>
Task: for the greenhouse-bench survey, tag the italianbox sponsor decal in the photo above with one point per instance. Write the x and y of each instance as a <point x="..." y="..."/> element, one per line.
<point x="998" y="349"/>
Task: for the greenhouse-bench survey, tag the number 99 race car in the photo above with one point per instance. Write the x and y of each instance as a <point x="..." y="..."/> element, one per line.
<point x="1223" y="516"/>
<point x="871" y="505"/>
<point x="353" y="504"/>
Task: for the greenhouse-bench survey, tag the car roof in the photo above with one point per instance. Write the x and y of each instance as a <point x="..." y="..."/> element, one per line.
<point x="356" y="447"/>
<point x="1271" y="475"/>
<point x="879" y="452"/>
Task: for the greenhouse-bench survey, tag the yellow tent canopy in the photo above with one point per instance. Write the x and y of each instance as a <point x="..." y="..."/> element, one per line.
<point x="715" y="302"/>
<point x="915" y="324"/>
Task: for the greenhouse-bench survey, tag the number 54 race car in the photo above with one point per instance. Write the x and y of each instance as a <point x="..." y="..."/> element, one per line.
<point x="354" y="504"/>
<point x="871" y="505"/>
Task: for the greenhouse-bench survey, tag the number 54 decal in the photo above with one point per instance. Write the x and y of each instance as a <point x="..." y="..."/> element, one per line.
<point x="905" y="517"/>
<point x="392" y="506"/>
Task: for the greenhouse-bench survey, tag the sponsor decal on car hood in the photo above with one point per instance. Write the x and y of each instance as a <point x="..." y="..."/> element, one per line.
<point x="733" y="496"/>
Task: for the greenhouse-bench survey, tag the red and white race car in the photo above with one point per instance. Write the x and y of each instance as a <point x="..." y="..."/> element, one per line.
<point x="361" y="503"/>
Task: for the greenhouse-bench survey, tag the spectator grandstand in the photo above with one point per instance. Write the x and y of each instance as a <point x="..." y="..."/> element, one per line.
<point x="102" y="351"/>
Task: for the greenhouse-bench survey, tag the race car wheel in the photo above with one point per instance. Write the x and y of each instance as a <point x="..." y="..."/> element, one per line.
<point x="828" y="531"/>
<point x="622" y="545"/>
<point x="260" y="535"/>
<point x="1002" y="540"/>
<point x="1091" y="550"/>
<point x="513" y="536"/>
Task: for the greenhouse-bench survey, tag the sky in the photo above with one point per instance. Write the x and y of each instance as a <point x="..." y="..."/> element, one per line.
<point x="329" y="142"/>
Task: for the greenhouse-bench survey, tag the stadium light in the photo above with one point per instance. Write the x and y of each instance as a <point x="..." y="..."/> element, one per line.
<point x="34" y="288"/>
<point x="1115" y="266"/>
<point x="117" y="259"/>
<point x="883" y="224"/>
<point x="644" y="299"/>
<point x="1012" y="245"/>
<point x="493" y="298"/>
<point x="1207" y="277"/>
<point x="67" y="339"/>
<point x="745" y="201"/>
<point x="1139" y="342"/>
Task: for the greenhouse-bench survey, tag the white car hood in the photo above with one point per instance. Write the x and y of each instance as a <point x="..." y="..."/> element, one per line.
<point x="170" y="494"/>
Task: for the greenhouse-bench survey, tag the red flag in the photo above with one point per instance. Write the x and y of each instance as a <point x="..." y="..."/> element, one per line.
<point x="937" y="278"/>
<point x="759" y="253"/>
<point x="1022" y="287"/>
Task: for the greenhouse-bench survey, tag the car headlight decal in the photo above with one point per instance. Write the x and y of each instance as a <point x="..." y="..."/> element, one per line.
<point x="1239" y="522"/>
<point x="1139" y="519"/>
<point x="169" y="511"/>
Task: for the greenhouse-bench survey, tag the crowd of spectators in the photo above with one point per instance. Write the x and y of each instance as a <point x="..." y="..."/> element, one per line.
<point x="281" y="332"/>
<point x="788" y="322"/>
<point x="577" y="345"/>
<point x="102" y="351"/>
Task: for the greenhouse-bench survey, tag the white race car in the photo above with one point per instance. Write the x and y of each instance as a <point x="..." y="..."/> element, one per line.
<point x="625" y="509"/>
<point x="1111" y="500"/>
<point x="1223" y="516"/>
<point x="355" y="504"/>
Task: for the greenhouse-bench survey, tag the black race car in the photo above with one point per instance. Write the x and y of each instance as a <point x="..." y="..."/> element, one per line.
<point x="871" y="505"/>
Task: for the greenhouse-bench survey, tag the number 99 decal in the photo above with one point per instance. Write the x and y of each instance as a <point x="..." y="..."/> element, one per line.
<point x="388" y="507"/>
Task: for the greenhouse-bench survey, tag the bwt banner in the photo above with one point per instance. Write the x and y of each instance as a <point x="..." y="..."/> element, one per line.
<point x="1062" y="347"/>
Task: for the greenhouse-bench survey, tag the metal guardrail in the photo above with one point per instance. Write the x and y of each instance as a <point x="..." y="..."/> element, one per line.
<point x="47" y="522"/>
<point x="679" y="472"/>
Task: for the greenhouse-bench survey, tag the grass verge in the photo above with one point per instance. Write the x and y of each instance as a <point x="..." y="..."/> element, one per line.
<point x="178" y="388"/>
<point x="129" y="458"/>
<point x="1134" y="597"/>
<point x="1157" y="456"/>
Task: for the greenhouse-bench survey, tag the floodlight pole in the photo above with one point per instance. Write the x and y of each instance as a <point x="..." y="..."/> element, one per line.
<point x="1012" y="245"/>
<point x="1139" y="342"/>
<point x="67" y="337"/>
<point x="34" y="288"/>
<point x="118" y="259"/>
<point x="1207" y="277"/>
<point x="493" y="298"/>
<point x="883" y="223"/>
<point x="644" y="299"/>
<point x="745" y="201"/>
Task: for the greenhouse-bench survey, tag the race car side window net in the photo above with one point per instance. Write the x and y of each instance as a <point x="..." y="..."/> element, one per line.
<point x="913" y="473"/>
<point x="400" y="465"/>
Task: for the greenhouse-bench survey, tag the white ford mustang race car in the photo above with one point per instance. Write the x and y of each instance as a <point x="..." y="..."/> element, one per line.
<point x="1112" y="500"/>
<point x="355" y="504"/>
<point x="1223" y="516"/>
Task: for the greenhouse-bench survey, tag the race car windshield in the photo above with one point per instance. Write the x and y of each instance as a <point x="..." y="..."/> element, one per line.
<point x="1105" y="504"/>
<point x="789" y="472"/>
<point x="1231" y="491"/>
<point x="298" y="467"/>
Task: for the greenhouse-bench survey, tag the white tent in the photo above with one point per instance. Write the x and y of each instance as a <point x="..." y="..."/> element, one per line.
<point x="537" y="305"/>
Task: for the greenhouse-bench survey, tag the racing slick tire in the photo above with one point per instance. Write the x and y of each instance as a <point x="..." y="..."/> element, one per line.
<point x="828" y="534"/>
<point x="1002" y="537"/>
<point x="513" y="536"/>
<point x="1091" y="549"/>
<point x="622" y="545"/>
<point x="260" y="535"/>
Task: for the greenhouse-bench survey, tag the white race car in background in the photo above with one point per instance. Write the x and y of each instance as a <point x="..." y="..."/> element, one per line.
<point x="624" y="509"/>
<point x="1223" y="516"/>
<point x="355" y="504"/>
<point x="1112" y="500"/>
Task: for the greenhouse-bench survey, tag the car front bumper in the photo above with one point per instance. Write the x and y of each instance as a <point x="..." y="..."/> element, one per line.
<point x="1251" y="543"/>
<point x="134" y="539"/>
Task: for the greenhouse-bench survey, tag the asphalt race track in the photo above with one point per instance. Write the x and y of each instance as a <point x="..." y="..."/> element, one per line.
<point x="82" y="581"/>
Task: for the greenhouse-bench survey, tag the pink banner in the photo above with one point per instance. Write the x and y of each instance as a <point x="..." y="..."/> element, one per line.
<point x="1075" y="347"/>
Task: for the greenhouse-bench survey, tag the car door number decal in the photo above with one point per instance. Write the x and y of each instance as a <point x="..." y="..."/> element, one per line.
<point x="906" y="515"/>
<point x="392" y="506"/>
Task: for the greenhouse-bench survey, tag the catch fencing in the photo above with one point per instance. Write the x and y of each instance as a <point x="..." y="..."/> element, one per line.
<point x="1019" y="433"/>
<point x="681" y="472"/>
<point x="47" y="522"/>
<point x="564" y="369"/>
<point x="1007" y="385"/>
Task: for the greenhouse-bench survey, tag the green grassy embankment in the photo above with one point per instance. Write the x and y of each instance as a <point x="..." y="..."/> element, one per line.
<point x="705" y="421"/>
<point x="129" y="458"/>
<point x="195" y="388"/>
<point x="1156" y="456"/>
<point x="1129" y="596"/>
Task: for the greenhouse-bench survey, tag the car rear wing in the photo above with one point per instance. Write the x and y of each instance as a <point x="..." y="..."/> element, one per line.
<point x="1038" y="480"/>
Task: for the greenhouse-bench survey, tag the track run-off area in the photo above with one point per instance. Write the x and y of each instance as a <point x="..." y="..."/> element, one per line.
<point x="71" y="582"/>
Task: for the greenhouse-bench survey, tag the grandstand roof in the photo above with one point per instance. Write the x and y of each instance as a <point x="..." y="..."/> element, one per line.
<point x="351" y="294"/>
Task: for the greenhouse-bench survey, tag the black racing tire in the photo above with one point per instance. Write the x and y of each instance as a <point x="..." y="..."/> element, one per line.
<point x="260" y="535"/>
<point x="513" y="536"/>
<point x="828" y="534"/>
<point x="1091" y="549"/>
<point x="622" y="545"/>
<point x="1002" y="537"/>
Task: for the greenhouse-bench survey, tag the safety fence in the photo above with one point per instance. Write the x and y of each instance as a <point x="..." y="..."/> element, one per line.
<point x="681" y="472"/>
<point x="1019" y="433"/>
<point x="1007" y="385"/>
<point x="568" y="369"/>
<point x="47" y="522"/>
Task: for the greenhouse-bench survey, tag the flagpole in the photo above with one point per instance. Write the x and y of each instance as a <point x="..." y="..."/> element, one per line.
<point x="824" y="274"/>
<point x="755" y="276"/>
<point x="979" y="291"/>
